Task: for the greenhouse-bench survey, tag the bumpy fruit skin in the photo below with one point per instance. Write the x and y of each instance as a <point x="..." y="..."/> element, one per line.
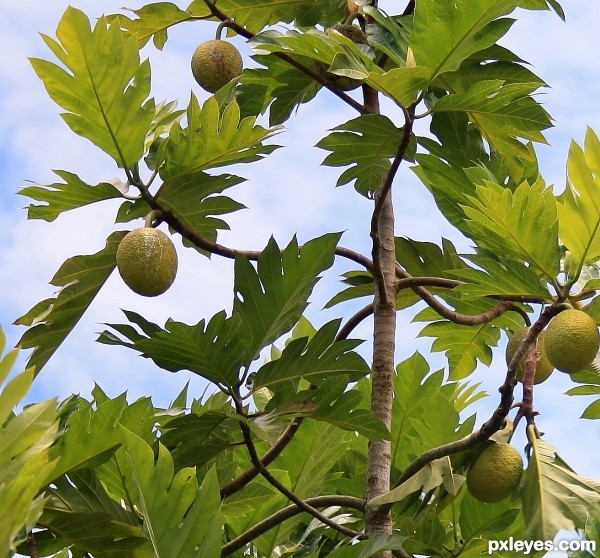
<point x="147" y="261"/>
<point x="495" y="473"/>
<point x="356" y="35"/>
<point x="215" y="63"/>
<point x="543" y="367"/>
<point x="572" y="340"/>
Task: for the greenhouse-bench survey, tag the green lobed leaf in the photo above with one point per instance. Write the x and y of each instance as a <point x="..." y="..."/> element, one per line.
<point x="367" y="145"/>
<point x="271" y="298"/>
<point x="445" y="33"/>
<point x="445" y="169"/>
<point x="214" y="350"/>
<point x="399" y="84"/>
<point x="214" y="137"/>
<point x="25" y="441"/>
<point x="304" y="13"/>
<point x="103" y="86"/>
<point x="389" y="35"/>
<point x="508" y="223"/>
<point x="64" y="196"/>
<point x="337" y="405"/>
<point x="579" y="205"/>
<point x="427" y="479"/>
<point x="50" y="321"/>
<point x="152" y="21"/>
<point x="465" y="345"/>
<point x="195" y="439"/>
<point x="82" y="514"/>
<point x="314" y="360"/>
<point x="503" y="112"/>
<point x="193" y="198"/>
<point x="186" y="525"/>
<point x="277" y="86"/>
<point x="92" y="434"/>
<point x="554" y="497"/>
<point x="487" y="521"/>
<point x="499" y="278"/>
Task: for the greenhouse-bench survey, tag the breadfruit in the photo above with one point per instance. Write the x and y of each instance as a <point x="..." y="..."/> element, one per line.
<point x="572" y="340"/>
<point x="215" y="63"/>
<point x="345" y="83"/>
<point x="543" y="366"/>
<point x="147" y="261"/>
<point x="495" y="473"/>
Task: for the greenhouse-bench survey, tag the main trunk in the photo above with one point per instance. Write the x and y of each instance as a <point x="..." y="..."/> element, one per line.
<point x="379" y="456"/>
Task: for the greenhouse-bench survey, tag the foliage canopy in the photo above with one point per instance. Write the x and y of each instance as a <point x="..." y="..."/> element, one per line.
<point x="302" y="448"/>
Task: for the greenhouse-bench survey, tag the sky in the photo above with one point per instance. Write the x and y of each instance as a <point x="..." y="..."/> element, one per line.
<point x="290" y="193"/>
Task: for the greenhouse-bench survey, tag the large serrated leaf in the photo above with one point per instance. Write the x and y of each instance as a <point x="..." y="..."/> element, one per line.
<point x="499" y="278"/>
<point x="51" y="321"/>
<point x="503" y="112"/>
<point x="508" y="223"/>
<point x="304" y="13"/>
<point x="64" y="196"/>
<point x="315" y="360"/>
<point x="271" y="298"/>
<point x="186" y="525"/>
<point x="104" y="88"/>
<point x="214" y="137"/>
<point x="482" y="520"/>
<point x="367" y="145"/>
<point x="214" y="350"/>
<point x="464" y="345"/>
<point x="554" y="496"/>
<point x="193" y="198"/>
<point x="25" y="440"/>
<point x="446" y="32"/>
<point x="279" y="86"/>
<point x="152" y="22"/>
<point x="579" y="205"/>
<point x="195" y="439"/>
<point x="92" y="434"/>
<point x="82" y="514"/>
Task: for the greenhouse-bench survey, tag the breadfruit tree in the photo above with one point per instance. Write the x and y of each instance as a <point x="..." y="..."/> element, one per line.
<point x="308" y="443"/>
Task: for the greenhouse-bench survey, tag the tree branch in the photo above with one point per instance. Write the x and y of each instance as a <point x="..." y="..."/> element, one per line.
<point x="497" y="420"/>
<point x="281" y="515"/>
<point x="355" y="321"/>
<point x="272" y="453"/>
<point x="242" y="31"/>
<point x="255" y="459"/>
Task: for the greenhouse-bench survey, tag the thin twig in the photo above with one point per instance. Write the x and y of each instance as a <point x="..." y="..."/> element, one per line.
<point x="275" y="450"/>
<point x="280" y="516"/>
<point x="242" y="31"/>
<point x="32" y="545"/>
<point x="496" y="421"/>
<point x="255" y="459"/>
<point x="354" y="321"/>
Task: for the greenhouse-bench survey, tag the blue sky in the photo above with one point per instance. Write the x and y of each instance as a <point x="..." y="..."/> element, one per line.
<point x="287" y="194"/>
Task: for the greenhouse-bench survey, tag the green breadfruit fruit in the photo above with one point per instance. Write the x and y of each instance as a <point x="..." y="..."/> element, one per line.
<point x="495" y="473"/>
<point x="215" y="63"/>
<point x="147" y="261"/>
<point x="345" y="83"/>
<point x="572" y="340"/>
<point x="543" y="366"/>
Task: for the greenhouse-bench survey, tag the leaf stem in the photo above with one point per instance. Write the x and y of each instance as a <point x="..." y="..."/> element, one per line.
<point x="255" y="459"/>
<point x="242" y="31"/>
<point x="281" y="515"/>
